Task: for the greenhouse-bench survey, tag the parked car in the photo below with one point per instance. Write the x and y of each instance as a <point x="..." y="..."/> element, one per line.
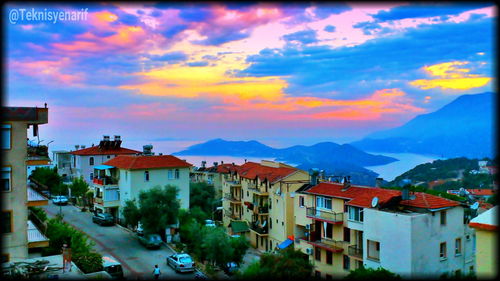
<point x="231" y="268"/>
<point x="150" y="241"/>
<point x="113" y="267"/>
<point x="103" y="219"/>
<point x="180" y="262"/>
<point x="60" y="200"/>
<point x="139" y="230"/>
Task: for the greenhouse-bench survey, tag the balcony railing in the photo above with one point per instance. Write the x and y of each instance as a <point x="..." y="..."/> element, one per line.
<point x="327" y="243"/>
<point x="262" y="230"/>
<point x="98" y="200"/>
<point x="231" y="197"/>
<point x="258" y="190"/>
<point x="355" y="251"/>
<point x="105" y="181"/>
<point x="329" y="216"/>
<point x="261" y="210"/>
<point x="38" y="151"/>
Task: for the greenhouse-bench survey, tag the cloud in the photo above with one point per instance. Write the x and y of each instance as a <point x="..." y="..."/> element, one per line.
<point x="329" y="28"/>
<point x="198" y="63"/>
<point x="304" y="36"/>
<point x="172" y="57"/>
<point x="451" y="75"/>
<point x="425" y="10"/>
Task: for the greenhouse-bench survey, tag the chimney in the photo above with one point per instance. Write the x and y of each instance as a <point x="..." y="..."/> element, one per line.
<point x="117" y="138"/>
<point x="245" y="160"/>
<point x="379" y="182"/>
<point x="405" y="194"/>
<point x="105" y="138"/>
<point x="160" y="154"/>
<point x="203" y="163"/>
<point x="347" y="182"/>
<point x="322" y="175"/>
<point x="313" y="176"/>
<point x="216" y="164"/>
<point x="221" y="162"/>
<point x="77" y="147"/>
<point x="83" y="146"/>
<point x="146" y="149"/>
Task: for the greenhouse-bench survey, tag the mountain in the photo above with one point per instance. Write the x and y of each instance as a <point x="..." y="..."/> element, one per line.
<point x="331" y="157"/>
<point x="462" y="128"/>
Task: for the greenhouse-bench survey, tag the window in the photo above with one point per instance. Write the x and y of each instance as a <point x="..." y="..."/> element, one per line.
<point x="347" y="234"/>
<point x="443" y="217"/>
<point x="458" y="246"/>
<point x="91" y="161"/>
<point x="317" y="274"/>
<point x="176" y="173"/>
<point x="5" y="179"/>
<point x="5" y="258"/>
<point x="327" y="230"/>
<point x="6" y="222"/>
<point x="108" y="156"/>
<point x="355" y="213"/>
<point x="91" y="176"/>
<point x="317" y="253"/>
<point x="323" y="202"/>
<point x="146" y="175"/>
<point x="373" y="250"/>
<point x="346" y="262"/>
<point x="328" y="277"/>
<point x="248" y="194"/>
<point x="170" y="174"/>
<point x="329" y="257"/>
<point x="442" y="250"/>
<point x="126" y="175"/>
<point x="270" y="224"/>
<point x="6" y="136"/>
<point x="74" y="161"/>
<point x="301" y="201"/>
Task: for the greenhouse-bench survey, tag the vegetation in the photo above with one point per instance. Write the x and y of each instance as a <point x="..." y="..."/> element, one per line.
<point x="60" y="233"/>
<point x="370" y="273"/>
<point x="438" y="169"/>
<point x="79" y="188"/>
<point x="158" y="208"/>
<point x="202" y="196"/>
<point x="493" y="199"/>
<point x="287" y="264"/>
<point x="39" y="213"/>
<point x="50" y="178"/>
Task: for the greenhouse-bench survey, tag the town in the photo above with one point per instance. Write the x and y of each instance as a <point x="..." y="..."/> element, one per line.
<point x="211" y="221"/>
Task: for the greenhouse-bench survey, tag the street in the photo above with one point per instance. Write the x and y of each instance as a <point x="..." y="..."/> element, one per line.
<point x="137" y="261"/>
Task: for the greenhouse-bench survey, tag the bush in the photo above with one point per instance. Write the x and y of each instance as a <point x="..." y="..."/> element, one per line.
<point x="370" y="273"/>
<point x="39" y="212"/>
<point x="90" y="262"/>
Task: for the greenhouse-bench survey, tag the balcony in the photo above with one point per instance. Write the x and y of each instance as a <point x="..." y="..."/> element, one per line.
<point x="261" y="210"/>
<point x="232" y="198"/>
<point x="36" y="198"/>
<point x="329" y="244"/>
<point x="259" y="191"/>
<point x="40" y="152"/>
<point x="262" y="230"/>
<point x="36" y="238"/>
<point x="229" y="213"/>
<point x="355" y="251"/>
<point x="336" y="218"/>
<point x="105" y="181"/>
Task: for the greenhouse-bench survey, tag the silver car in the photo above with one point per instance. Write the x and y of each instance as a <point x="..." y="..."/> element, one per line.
<point x="180" y="262"/>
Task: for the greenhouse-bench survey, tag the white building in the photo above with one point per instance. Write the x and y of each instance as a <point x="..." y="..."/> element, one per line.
<point x="124" y="177"/>
<point x="84" y="160"/>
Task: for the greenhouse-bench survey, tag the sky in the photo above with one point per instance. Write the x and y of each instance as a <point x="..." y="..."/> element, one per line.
<point x="282" y="74"/>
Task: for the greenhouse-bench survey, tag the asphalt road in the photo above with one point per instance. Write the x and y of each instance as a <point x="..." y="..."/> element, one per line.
<point x="137" y="261"/>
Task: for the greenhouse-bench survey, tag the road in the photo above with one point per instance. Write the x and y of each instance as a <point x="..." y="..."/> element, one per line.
<point x="137" y="261"/>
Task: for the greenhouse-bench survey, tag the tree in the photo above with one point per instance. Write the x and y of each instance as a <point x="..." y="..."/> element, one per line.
<point x="217" y="247"/>
<point x="370" y="273"/>
<point x="79" y="187"/>
<point x="89" y="262"/>
<point x="131" y="213"/>
<point x="240" y="246"/>
<point x="159" y="208"/>
<point x="202" y="195"/>
<point x="39" y="213"/>
<point x="287" y="264"/>
<point x="48" y="177"/>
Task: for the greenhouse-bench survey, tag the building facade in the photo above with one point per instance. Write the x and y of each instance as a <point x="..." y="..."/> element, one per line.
<point x="84" y="160"/>
<point x="19" y="232"/>
<point x="486" y="226"/>
<point x="124" y="177"/>
<point x="342" y="227"/>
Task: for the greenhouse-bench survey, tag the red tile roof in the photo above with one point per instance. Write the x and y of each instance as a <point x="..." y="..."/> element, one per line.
<point x="483" y="192"/>
<point x="361" y="196"/>
<point x="252" y="170"/>
<point x="95" y="150"/>
<point x="146" y="162"/>
<point x="227" y="168"/>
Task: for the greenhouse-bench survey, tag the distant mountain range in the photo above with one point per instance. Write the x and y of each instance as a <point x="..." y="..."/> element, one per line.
<point x="333" y="158"/>
<point x="462" y="128"/>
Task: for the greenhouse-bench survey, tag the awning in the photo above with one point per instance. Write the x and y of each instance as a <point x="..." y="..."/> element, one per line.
<point x="285" y="244"/>
<point x="239" y="226"/>
<point x="103" y="167"/>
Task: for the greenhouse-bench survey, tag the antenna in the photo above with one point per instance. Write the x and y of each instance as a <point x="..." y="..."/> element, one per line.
<point x="375" y="202"/>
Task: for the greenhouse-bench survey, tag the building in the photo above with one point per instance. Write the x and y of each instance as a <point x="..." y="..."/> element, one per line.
<point x="62" y="160"/>
<point x="84" y="160"/>
<point x="344" y="227"/>
<point x="211" y="175"/>
<point x="486" y="226"/>
<point x="20" y="232"/>
<point x="261" y="195"/>
<point x="38" y="157"/>
<point x="124" y="177"/>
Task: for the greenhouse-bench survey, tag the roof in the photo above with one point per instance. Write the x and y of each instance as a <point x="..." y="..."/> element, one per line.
<point x="486" y="220"/>
<point x="96" y="150"/>
<point x="21" y="113"/>
<point x="481" y="192"/>
<point x="134" y="162"/>
<point x="239" y="226"/>
<point x="252" y="170"/>
<point x="362" y="196"/>
<point x="102" y="167"/>
<point x="227" y="168"/>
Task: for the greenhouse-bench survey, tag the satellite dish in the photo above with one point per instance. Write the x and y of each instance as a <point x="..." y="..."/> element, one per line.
<point x="374" y="201"/>
<point x="475" y="206"/>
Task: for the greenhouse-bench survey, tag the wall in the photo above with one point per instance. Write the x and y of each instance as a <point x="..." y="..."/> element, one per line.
<point x="84" y="169"/>
<point x="486" y="255"/>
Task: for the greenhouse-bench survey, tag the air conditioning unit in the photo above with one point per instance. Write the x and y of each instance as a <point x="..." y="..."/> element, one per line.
<point x="308" y="226"/>
<point x="309" y="251"/>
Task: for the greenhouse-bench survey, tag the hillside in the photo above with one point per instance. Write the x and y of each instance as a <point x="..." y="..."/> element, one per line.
<point x="462" y="128"/>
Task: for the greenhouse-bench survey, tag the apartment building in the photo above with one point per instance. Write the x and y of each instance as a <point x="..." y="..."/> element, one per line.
<point x="343" y="227"/>
<point x="211" y="175"/>
<point x="486" y="226"/>
<point x="62" y="160"/>
<point x="260" y="195"/>
<point x="83" y="160"/>
<point x="38" y="157"/>
<point x="20" y="230"/>
<point x="124" y="177"/>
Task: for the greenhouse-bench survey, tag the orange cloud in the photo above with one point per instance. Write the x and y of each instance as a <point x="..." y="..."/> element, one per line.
<point x="47" y="71"/>
<point x="451" y="75"/>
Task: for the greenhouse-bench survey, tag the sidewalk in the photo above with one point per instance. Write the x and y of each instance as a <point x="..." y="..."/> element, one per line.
<point x="251" y="256"/>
